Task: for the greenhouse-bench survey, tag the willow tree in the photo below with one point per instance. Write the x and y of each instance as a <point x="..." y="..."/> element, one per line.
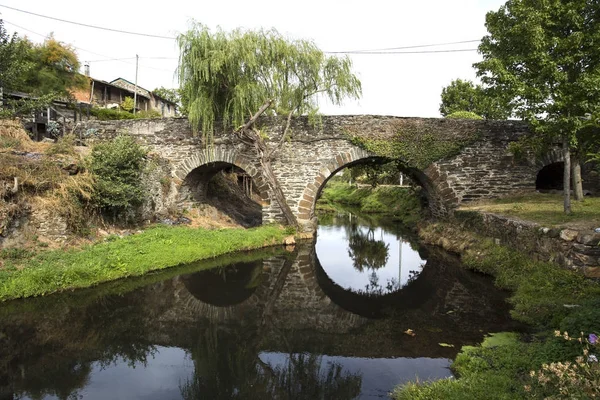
<point x="236" y="77"/>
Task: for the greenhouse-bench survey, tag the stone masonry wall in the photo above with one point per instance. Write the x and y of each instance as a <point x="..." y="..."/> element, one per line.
<point x="304" y="164"/>
<point x="567" y="247"/>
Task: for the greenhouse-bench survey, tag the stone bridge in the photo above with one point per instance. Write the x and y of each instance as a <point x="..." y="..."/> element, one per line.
<point x="481" y="168"/>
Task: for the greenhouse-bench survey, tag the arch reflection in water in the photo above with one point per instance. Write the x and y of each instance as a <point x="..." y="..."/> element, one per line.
<point x="224" y="286"/>
<point x="362" y="257"/>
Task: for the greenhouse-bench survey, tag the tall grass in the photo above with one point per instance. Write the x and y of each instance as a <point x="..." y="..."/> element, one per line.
<point x="135" y="255"/>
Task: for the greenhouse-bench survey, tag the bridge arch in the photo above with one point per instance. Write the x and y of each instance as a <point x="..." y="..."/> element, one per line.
<point x="196" y="171"/>
<point x="436" y="190"/>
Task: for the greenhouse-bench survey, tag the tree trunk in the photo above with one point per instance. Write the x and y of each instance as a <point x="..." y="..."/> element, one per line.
<point x="290" y="218"/>
<point x="567" y="175"/>
<point x="576" y="178"/>
<point x="248" y="135"/>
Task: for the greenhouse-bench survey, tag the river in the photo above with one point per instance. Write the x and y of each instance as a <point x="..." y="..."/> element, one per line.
<point x="365" y="308"/>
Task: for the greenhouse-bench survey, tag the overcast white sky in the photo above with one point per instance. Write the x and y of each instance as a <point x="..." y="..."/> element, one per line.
<point x="401" y="84"/>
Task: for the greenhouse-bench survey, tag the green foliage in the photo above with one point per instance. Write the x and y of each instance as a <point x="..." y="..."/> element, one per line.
<point x="416" y="147"/>
<point x="117" y="166"/>
<point x="56" y="69"/>
<point x="173" y="95"/>
<point x="547" y="57"/>
<point x="228" y="76"/>
<point x="106" y="114"/>
<point x="127" y="104"/>
<point x="463" y="96"/>
<point x="13" y="62"/>
<point x="464" y="115"/>
<point x="135" y="255"/>
<point x="401" y="202"/>
<point x="501" y="367"/>
<point x="64" y="145"/>
<point x="147" y="114"/>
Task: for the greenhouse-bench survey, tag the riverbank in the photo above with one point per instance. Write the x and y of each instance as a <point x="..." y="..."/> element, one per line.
<point x="400" y="202"/>
<point x="25" y="274"/>
<point x="560" y="305"/>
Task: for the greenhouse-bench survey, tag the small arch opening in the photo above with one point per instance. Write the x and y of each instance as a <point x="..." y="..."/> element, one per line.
<point x="550" y="178"/>
<point x="225" y="189"/>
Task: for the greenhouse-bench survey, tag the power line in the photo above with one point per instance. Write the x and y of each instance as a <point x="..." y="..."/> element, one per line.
<point x="389" y="50"/>
<point x="403" y="47"/>
<point x="400" y="52"/>
<point x="90" y="26"/>
<point x="106" y="58"/>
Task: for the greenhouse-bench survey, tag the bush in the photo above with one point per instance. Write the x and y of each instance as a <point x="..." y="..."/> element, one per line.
<point x="117" y="166"/>
<point x="147" y="114"/>
<point x="464" y="115"/>
<point x="106" y="114"/>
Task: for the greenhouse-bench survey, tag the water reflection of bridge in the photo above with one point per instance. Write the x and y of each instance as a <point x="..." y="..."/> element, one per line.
<point x="281" y="304"/>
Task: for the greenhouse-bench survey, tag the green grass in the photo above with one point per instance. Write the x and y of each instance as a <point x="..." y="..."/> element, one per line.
<point x="499" y="368"/>
<point x="545" y="209"/>
<point x="154" y="249"/>
<point x="402" y="202"/>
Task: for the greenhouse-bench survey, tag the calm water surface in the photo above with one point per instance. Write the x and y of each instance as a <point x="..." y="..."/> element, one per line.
<point x="324" y="321"/>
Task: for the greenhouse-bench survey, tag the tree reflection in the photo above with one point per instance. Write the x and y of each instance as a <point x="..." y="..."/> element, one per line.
<point x="229" y="366"/>
<point x="366" y="252"/>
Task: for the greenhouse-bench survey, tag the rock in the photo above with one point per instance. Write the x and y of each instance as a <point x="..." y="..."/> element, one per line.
<point x="589" y="239"/>
<point x="592" y="272"/>
<point x="47" y="140"/>
<point x="289" y="240"/>
<point x="568" y="235"/>
<point x="544" y="230"/>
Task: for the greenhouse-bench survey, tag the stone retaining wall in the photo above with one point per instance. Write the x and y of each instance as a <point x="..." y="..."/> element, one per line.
<point x="575" y="249"/>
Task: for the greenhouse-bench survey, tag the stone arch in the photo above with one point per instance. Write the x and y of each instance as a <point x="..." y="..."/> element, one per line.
<point x="214" y="160"/>
<point x="434" y="186"/>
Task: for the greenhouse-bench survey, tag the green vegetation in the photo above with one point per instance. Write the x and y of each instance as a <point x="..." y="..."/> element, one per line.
<point x="545" y="209"/>
<point x="401" y="202"/>
<point x="46" y="71"/>
<point x="118" y="166"/>
<point x="463" y="96"/>
<point x="463" y="115"/>
<point x="547" y="59"/>
<point x="545" y="296"/>
<point x="107" y="114"/>
<point x="416" y="147"/>
<point x="238" y="76"/>
<point x="153" y="249"/>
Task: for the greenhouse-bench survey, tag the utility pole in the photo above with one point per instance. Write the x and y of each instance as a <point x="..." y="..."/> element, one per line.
<point x="135" y="90"/>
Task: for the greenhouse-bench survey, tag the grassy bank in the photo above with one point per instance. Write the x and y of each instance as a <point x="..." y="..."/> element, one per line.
<point x="545" y="296"/>
<point x="25" y="275"/>
<point x="401" y="202"/>
<point x="543" y="208"/>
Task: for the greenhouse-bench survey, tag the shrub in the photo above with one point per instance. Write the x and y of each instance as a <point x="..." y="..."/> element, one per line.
<point x="105" y="114"/>
<point x="117" y="166"/>
<point x="464" y="115"/>
<point x="147" y="114"/>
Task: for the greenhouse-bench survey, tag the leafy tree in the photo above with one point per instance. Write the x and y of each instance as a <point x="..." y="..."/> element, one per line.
<point x="465" y="96"/>
<point x="238" y="76"/>
<point x="13" y="64"/>
<point x="118" y="166"/>
<point x="56" y="69"/>
<point x="172" y="95"/>
<point x="127" y="104"/>
<point x="547" y="55"/>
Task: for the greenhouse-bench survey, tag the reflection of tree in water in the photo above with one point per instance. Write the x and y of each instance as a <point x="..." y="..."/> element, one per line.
<point x="304" y="377"/>
<point x="366" y="252"/>
<point x="374" y="288"/>
<point x="228" y="366"/>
